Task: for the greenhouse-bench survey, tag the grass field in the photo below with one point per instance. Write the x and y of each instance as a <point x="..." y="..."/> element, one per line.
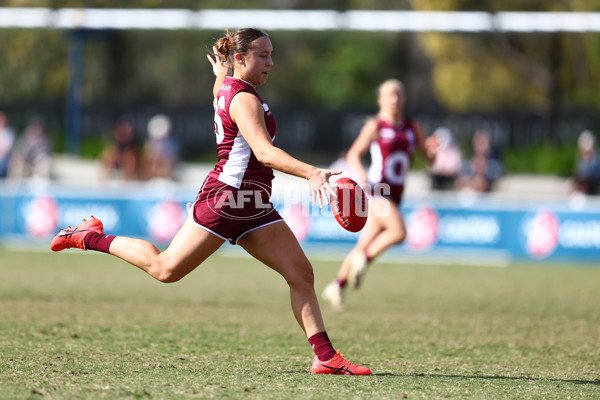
<point x="80" y="325"/>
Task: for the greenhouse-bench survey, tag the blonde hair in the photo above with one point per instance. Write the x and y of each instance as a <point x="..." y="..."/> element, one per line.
<point x="391" y="82"/>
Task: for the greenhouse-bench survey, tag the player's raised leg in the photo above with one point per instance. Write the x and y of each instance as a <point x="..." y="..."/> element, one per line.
<point x="188" y="249"/>
<point x="382" y="231"/>
<point x="355" y="263"/>
<point x="393" y="230"/>
<point x="334" y="291"/>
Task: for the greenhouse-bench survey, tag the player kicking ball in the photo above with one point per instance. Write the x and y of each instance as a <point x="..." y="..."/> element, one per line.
<point x="244" y="130"/>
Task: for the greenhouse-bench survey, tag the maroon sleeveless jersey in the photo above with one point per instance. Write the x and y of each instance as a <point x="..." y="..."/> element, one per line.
<point x="236" y="162"/>
<point x="391" y="157"/>
<point x="235" y="196"/>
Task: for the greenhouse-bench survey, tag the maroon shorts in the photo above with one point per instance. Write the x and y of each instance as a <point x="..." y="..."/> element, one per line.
<point x="230" y="213"/>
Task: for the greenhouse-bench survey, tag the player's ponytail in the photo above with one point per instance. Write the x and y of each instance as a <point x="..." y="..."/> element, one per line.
<point x="224" y="45"/>
<point x="239" y="41"/>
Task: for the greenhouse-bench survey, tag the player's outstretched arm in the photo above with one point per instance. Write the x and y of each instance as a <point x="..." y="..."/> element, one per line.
<point x="248" y="113"/>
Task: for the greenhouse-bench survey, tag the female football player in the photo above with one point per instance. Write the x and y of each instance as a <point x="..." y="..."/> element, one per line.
<point x="244" y="128"/>
<point x="392" y="141"/>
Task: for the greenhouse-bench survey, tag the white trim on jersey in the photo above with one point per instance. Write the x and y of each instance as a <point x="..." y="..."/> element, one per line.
<point x="375" y="173"/>
<point x="237" y="162"/>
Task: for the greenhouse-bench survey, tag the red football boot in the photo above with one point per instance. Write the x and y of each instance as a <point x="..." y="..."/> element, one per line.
<point x="338" y="365"/>
<point x="73" y="237"/>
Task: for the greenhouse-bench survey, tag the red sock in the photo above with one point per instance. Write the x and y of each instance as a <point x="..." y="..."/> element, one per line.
<point x="342" y="283"/>
<point x="368" y="258"/>
<point x="98" y="241"/>
<point x="322" y="346"/>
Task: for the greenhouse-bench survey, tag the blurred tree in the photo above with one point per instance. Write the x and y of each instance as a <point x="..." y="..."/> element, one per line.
<point x="333" y="70"/>
<point x="499" y="70"/>
<point x="161" y="67"/>
<point x="33" y="66"/>
<point x="548" y="72"/>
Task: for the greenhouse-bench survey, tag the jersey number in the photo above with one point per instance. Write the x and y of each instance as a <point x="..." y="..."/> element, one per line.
<point x="396" y="166"/>
<point x="219" y="131"/>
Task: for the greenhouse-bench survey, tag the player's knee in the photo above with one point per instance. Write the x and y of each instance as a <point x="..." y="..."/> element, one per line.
<point x="309" y="277"/>
<point x="168" y="277"/>
<point x="302" y="276"/>
<point x="399" y="236"/>
<point x="165" y="273"/>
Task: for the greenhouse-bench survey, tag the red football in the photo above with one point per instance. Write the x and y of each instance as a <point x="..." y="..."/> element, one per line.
<point x="350" y="206"/>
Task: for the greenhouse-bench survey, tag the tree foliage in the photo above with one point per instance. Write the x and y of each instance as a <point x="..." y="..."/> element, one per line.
<point x="334" y="70"/>
<point x="459" y="72"/>
<point x="539" y="71"/>
<point x="33" y="65"/>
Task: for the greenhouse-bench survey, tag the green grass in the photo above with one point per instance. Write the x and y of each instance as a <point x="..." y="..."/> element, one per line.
<point x="79" y="325"/>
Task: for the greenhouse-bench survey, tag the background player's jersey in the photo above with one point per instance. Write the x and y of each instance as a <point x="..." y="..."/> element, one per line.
<point x="236" y="162"/>
<point x="392" y="155"/>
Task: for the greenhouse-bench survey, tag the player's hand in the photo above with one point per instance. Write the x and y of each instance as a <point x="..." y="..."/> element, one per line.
<point x="219" y="63"/>
<point x="321" y="189"/>
<point x="432" y="145"/>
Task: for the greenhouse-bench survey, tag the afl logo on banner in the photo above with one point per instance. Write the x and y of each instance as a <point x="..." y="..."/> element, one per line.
<point x="422" y="228"/>
<point x="540" y="233"/>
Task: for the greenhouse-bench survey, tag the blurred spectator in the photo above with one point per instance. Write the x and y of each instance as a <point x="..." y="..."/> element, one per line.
<point x="32" y="155"/>
<point x="447" y="164"/>
<point x="483" y="168"/>
<point x="587" y="168"/>
<point x="7" y="141"/>
<point x="161" y="151"/>
<point x="120" y="158"/>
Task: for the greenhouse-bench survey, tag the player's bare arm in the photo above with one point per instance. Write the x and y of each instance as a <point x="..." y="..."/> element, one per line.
<point x="428" y="147"/>
<point x="246" y="110"/>
<point x="360" y="147"/>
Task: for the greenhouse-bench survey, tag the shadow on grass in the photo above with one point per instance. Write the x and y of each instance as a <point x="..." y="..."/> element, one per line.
<point x="500" y="377"/>
<point x="487" y="377"/>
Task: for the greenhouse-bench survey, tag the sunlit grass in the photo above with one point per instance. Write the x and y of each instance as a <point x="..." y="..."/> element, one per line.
<point x="86" y="325"/>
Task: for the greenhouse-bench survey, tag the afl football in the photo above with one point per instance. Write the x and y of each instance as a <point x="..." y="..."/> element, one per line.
<point x="349" y="207"/>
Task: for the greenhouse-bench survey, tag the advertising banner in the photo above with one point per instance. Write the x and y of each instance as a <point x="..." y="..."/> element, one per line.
<point x="487" y="227"/>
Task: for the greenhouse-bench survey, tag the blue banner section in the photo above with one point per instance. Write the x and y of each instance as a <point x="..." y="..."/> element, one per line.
<point x="437" y="225"/>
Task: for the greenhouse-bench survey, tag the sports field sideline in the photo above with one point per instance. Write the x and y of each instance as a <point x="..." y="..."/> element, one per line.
<point x="84" y="325"/>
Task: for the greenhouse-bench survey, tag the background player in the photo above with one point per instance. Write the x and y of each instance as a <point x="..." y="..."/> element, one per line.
<point x="392" y="140"/>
